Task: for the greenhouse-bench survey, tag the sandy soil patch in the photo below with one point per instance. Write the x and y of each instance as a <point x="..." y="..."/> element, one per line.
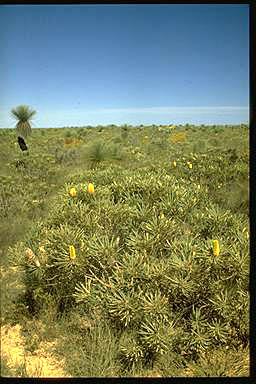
<point x="41" y="364"/>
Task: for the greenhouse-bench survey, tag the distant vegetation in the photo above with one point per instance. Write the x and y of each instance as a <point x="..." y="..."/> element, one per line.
<point x="141" y="293"/>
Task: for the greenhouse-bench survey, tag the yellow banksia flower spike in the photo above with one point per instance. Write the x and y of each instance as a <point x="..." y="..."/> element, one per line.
<point x="72" y="192"/>
<point x="72" y="252"/>
<point x="174" y="163"/>
<point x="90" y="188"/>
<point x="216" y="248"/>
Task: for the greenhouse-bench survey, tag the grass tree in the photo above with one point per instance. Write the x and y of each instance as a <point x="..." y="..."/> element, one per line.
<point x="23" y="114"/>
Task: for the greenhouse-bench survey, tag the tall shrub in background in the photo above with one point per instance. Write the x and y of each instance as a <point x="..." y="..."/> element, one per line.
<point x="23" y="114"/>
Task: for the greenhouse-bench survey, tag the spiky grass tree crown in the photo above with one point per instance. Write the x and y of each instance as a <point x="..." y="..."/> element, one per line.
<point x="23" y="114"/>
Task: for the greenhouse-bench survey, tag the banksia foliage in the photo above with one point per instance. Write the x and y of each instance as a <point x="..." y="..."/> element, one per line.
<point x="130" y="351"/>
<point x="157" y="335"/>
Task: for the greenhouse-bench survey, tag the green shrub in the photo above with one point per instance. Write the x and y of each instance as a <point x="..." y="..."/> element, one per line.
<point x="135" y="266"/>
<point x="65" y="156"/>
<point x="68" y="134"/>
<point x="144" y="259"/>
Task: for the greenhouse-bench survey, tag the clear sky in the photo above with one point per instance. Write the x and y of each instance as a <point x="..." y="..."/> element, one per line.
<point x="125" y="64"/>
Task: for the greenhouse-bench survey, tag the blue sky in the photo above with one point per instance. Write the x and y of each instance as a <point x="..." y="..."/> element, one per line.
<point x="125" y="64"/>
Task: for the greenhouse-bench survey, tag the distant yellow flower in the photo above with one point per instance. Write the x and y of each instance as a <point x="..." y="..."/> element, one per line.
<point x="72" y="252"/>
<point x="179" y="137"/>
<point x="216" y="248"/>
<point x="90" y="188"/>
<point x="198" y="186"/>
<point x="246" y="233"/>
<point x="72" y="192"/>
<point x="30" y="254"/>
<point x="31" y="257"/>
<point x="174" y="163"/>
<point x="41" y="249"/>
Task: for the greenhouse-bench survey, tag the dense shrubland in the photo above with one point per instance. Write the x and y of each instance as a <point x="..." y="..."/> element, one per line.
<point x="144" y="266"/>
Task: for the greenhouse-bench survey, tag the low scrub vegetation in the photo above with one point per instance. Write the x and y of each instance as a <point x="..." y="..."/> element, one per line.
<point x="127" y="266"/>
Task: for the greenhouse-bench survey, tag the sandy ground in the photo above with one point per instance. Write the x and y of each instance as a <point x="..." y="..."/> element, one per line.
<point x="42" y="363"/>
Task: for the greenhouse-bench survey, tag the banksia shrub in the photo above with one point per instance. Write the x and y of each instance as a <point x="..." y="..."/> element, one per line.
<point x="142" y="257"/>
<point x="157" y="336"/>
<point x="130" y="351"/>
